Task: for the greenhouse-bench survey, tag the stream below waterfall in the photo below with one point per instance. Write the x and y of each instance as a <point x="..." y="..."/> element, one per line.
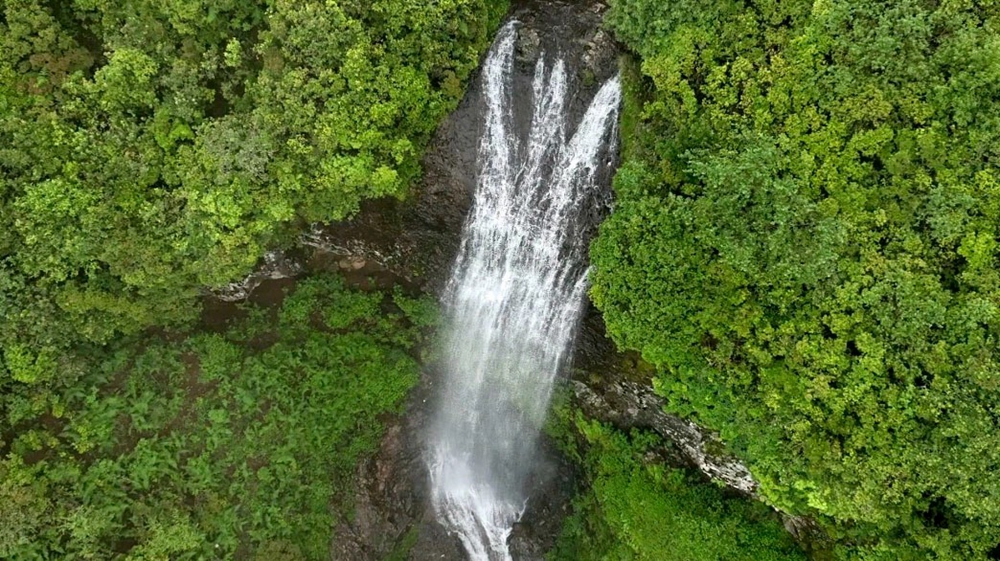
<point x="515" y="294"/>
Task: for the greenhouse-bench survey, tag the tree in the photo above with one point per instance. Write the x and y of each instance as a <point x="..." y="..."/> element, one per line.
<point x="804" y="246"/>
<point x="151" y="149"/>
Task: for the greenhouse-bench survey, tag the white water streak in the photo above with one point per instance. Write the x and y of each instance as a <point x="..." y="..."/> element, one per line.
<point x="514" y="298"/>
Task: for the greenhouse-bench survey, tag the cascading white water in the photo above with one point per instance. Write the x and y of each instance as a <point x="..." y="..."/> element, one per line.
<point x="514" y="297"/>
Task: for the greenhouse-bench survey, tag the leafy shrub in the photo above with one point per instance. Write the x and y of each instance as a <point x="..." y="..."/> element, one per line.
<point x="211" y="446"/>
<point x="804" y="246"/>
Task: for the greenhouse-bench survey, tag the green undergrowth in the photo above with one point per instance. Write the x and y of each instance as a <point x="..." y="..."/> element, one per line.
<point x="213" y="445"/>
<point x="635" y="508"/>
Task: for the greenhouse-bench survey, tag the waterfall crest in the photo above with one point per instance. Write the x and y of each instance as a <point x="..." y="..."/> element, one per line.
<point x="514" y="297"/>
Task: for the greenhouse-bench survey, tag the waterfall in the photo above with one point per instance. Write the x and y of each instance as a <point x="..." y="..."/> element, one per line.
<point x="514" y="297"/>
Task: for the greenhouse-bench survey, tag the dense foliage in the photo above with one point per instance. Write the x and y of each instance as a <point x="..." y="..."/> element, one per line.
<point x="149" y="148"/>
<point x="636" y="509"/>
<point x="805" y="246"/>
<point x="214" y="445"/>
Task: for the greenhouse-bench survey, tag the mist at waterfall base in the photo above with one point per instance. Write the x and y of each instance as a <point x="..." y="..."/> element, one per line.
<point x="515" y="294"/>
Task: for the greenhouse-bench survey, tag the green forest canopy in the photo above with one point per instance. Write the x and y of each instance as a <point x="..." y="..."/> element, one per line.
<point x="805" y="245"/>
<point x="150" y="148"/>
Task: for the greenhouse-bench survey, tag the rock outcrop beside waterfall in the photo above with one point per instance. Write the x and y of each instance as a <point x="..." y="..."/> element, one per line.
<point x="628" y="404"/>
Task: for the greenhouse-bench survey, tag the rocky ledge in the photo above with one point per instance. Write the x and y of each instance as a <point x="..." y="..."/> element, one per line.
<point x="627" y="405"/>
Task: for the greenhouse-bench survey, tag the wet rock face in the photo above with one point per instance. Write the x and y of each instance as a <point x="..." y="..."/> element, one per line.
<point x="275" y="265"/>
<point x="376" y="479"/>
<point x="536" y="533"/>
<point x="419" y="238"/>
<point x="628" y="404"/>
<point x="529" y="45"/>
<point x="391" y="517"/>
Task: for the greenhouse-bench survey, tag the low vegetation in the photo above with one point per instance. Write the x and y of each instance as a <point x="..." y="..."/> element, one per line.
<point x="634" y="508"/>
<point x="212" y="445"/>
